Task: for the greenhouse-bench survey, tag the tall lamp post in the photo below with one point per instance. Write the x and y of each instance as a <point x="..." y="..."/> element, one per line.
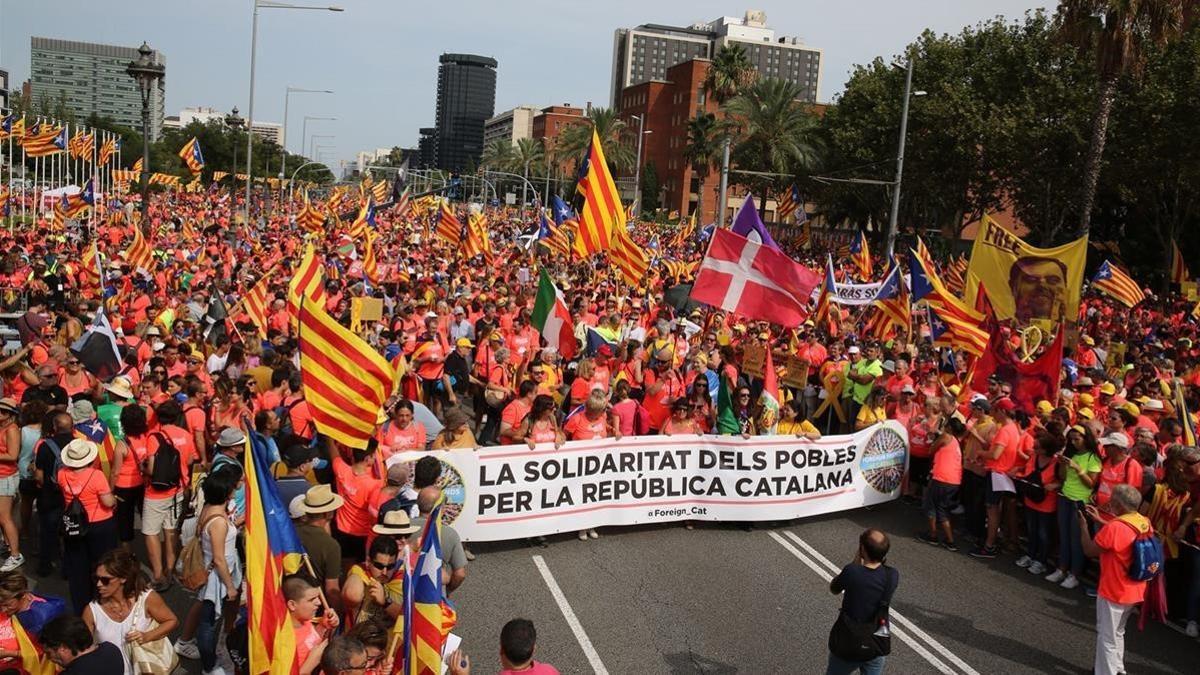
<point x="147" y="73"/>
<point x="895" y="214"/>
<point x="304" y="139"/>
<point x="234" y="122"/>
<point x="637" y="168"/>
<point x="263" y="4"/>
<point x="286" y="98"/>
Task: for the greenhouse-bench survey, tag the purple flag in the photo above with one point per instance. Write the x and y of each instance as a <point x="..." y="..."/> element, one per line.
<point x="749" y="225"/>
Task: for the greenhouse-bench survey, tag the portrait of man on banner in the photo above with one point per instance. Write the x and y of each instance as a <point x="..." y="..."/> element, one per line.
<point x="1025" y="284"/>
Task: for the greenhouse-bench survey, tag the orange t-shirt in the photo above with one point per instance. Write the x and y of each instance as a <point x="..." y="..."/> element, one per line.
<point x="393" y="439"/>
<point x="948" y="463"/>
<point x="87" y="484"/>
<point x="8" y="642"/>
<point x="514" y="413"/>
<point x="307" y="639"/>
<point x="1116" y="543"/>
<point x="354" y="518"/>
<point x="1008" y="435"/>
<point x="8" y="467"/>
<point x="182" y="440"/>
<point x="580" y="428"/>
<point x="130" y="475"/>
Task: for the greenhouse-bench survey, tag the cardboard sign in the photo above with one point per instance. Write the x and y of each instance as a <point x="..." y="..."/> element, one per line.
<point x="754" y="359"/>
<point x="1116" y="355"/>
<point x="796" y="374"/>
<point x="1189" y="290"/>
<point x="365" y="309"/>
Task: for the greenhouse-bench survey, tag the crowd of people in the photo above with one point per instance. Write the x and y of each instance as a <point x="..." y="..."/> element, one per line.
<point x="152" y="458"/>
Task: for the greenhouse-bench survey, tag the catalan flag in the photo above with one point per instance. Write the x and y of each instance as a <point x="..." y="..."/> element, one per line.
<point x="681" y="271"/>
<point x="108" y="149"/>
<point x="257" y="303"/>
<point x="477" y="241"/>
<point x="860" y="255"/>
<point x="124" y="176"/>
<point x="3" y="200"/>
<point x="448" y="226"/>
<point x="32" y="660"/>
<point x="380" y="191"/>
<point x="401" y="206"/>
<point x="77" y="203"/>
<point x="308" y="282"/>
<point x="788" y="202"/>
<point x="90" y="266"/>
<point x="191" y="156"/>
<point x="219" y="176"/>
<point x="370" y="265"/>
<point x="1179" y="270"/>
<point x="81" y="145"/>
<point x="552" y="236"/>
<point x="273" y="550"/>
<point x="627" y="257"/>
<point x="955" y="274"/>
<point x="309" y="218"/>
<point x="138" y="166"/>
<point x="1114" y="282"/>
<point x="825" y="300"/>
<point x="804" y="240"/>
<point x="600" y="212"/>
<point x="8" y="123"/>
<point x="46" y="142"/>
<point x="431" y="616"/>
<point x="345" y="380"/>
<point x="364" y="220"/>
<point x="1184" y="415"/>
<point x="892" y="308"/>
<point x="164" y="179"/>
<point x="58" y="215"/>
<point x="951" y="330"/>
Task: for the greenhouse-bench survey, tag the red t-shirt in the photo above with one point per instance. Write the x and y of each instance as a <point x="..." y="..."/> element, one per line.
<point x="1009" y="436"/>
<point x="354" y="518"/>
<point x="580" y="428"/>
<point x="1116" y="543"/>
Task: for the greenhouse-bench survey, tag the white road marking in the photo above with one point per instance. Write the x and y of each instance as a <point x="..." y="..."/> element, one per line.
<point x="907" y="639"/>
<point x="569" y="614"/>
<point x="900" y="618"/>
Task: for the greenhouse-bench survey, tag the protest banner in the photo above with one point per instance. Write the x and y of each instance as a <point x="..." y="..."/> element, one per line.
<point x="754" y="359"/>
<point x="511" y="492"/>
<point x="796" y="372"/>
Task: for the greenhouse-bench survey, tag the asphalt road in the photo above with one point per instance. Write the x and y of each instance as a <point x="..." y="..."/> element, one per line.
<point x="662" y="599"/>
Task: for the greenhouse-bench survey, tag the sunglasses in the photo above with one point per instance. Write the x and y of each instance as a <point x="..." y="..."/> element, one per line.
<point x="381" y="565"/>
<point x="72" y="363"/>
<point x="103" y="580"/>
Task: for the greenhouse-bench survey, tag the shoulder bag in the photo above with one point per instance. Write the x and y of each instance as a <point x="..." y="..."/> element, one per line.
<point x="860" y="641"/>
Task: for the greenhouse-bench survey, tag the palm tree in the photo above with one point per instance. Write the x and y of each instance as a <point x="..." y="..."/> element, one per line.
<point x="614" y="138"/>
<point x="498" y="155"/>
<point x="1119" y="32"/>
<point x="527" y="152"/>
<point x="705" y="139"/>
<point x="775" y="134"/>
<point x="730" y="72"/>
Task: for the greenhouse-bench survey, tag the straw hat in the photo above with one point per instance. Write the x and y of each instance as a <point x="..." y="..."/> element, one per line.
<point x="79" y="453"/>
<point x="395" y="522"/>
<point x="9" y="405"/>
<point x="120" y="387"/>
<point x="320" y="499"/>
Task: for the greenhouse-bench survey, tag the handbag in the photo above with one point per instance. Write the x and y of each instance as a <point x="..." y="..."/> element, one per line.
<point x="860" y="641"/>
<point x="1031" y="487"/>
<point x="156" y="657"/>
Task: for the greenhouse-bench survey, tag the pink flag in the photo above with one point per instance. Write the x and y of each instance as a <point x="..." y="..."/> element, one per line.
<point x="754" y="280"/>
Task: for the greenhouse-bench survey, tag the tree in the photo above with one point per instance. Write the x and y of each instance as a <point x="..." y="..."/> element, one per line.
<point x="1118" y="33"/>
<point x="704" y="142"/>
<point x="614" y="137"/>
<point x="650" y="188"/>
<point x="730" y="73"/>
<point x="773" y="131"/>
<point x="497" y="155"/>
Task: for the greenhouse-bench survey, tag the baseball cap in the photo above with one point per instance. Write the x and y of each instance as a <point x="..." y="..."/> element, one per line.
<point x="298" y="453"/>
<point x="463" y="342"/>
<point x="1045" y="407"/>
<point x="981" y="403"/>
<point x="853" y="349"/>
<point x="1117" y="439"/>
<point x="907" y="389"/>
<point x="1006" y="404"/>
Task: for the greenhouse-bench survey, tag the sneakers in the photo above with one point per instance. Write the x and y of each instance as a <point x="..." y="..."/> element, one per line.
<point x="12" y="563"/>
<point x="1193" y="629"/>
<point x="187" y="649"/>
<point x="583" y="535"/>
<point x="1036" y="568"/>
<point x="1056" y="576"/>
<point x="982" y="551"/>
<point x="593" y="533"/>
<point x="1024" y="561"/>
<point x="924" y="536"/>
<point x="470" y="556"/>
<point x="1070" y="582"/>
<point x="950" y="546"/>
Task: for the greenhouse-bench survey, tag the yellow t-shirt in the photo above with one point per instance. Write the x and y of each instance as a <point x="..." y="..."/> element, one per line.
<point x="795" y="428"/>
<point x="868" y="415"/>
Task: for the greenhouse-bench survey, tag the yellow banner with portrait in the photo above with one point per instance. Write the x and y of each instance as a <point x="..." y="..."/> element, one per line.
<point x="1030" y="284"/>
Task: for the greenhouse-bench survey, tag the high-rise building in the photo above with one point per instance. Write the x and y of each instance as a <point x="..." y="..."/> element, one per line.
<point x="644" y="53"/>
<point x="510" y="125"/>
<point x="427" y="148"/>
<point x="268" y="131"/>
<point x="466" y="99"/>
<point x="3" y="88"/>
<point x="91" y="79"/>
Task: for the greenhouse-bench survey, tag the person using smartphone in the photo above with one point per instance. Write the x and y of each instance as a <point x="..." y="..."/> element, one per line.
<point x="1078" y="473"/>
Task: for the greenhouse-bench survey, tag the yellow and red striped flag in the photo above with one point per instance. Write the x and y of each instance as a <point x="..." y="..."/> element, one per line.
<point x="308" y="282"/>
<point x="139" y="255"/>
<point x="949" y="329"/>
<point x="32" y="659"/>
<point x="477" y="242"/>
<point x="89" y="265"/>
<point x="627" y="257"/>
<point x="601" y="213"/>
<point x="448" y="226"/>
<point x="138" y="166"/>
<point x="107" y="150"/>
<point x="46" y="142"/>
<point x="364" y="221"/>
<point x="191" y="156"/>
<point x="370" y="265"/>
<point x="309" y="218"/>
<point x="1179" y="270"/>
<point x="345" y="380"/>
<point x="81" y="145"/>
<point x="380" y="192"/>
<point x="1114" y="282"/>
<point x="257" y="303"/>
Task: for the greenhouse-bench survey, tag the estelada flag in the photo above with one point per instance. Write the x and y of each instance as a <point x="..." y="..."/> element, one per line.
<point x="754" y="281"/>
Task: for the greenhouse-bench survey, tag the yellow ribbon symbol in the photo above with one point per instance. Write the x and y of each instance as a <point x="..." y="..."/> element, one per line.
<point x="1031" y="339"/>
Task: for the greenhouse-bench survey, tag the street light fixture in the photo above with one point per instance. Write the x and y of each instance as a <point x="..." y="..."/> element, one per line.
<point x="304" y="128"/>
<point x="895" y="214"/>
<point x="234" y="122"/>
<point x="263" y="4"/>
<point x="637" y="170"/>
<point x="147" y="73"/>
<point x="314" y="137"/>
<point x="286" y="98"/>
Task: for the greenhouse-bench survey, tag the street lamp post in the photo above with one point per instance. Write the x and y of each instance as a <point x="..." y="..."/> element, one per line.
<point x="286" y="98"/>
<point x="637" y="166"/>
<point x="265" y="4"/>
<point x="304" y="139"/>
<point x="234" y="122"/>
<point x="313" y="139"/>
<point x="894" y="217"/>
<point x="146" y="72"/>
<point x="723" y="185"/>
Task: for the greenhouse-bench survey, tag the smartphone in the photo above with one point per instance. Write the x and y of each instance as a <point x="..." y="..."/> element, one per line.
<point x="1081" y="507"/>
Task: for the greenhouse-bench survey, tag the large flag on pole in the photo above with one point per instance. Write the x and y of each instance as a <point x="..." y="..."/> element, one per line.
<point x="1179" y="270"/>
<point x="345" y="380"/>
<point x="273" y="550"/>
<point x="1114" y="282"/>
<point x="754" y="280"/>
<point x="96" y="349"/>
<point x="449" y="227"/>
<point x="191" y="156"/>
<point x="256" y="304"/>
<point x="552" y="318"/>
<point x="139" y="255"/>
<point x="432" y="615"/>
<point x="600" y="211"/>
<point x="308" y="282"/>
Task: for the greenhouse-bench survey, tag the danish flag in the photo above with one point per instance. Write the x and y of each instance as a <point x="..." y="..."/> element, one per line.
<point x="753" y="280"/>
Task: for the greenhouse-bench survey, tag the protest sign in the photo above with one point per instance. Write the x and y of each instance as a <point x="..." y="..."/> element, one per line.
<point x="511" y="492"/>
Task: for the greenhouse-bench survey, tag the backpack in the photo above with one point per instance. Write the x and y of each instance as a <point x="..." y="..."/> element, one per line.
<point x="191" y="559"/>
<point x="75" y="523"/>
<point x="53" y="477"/>
<point x="284" y="413"/>
<point x="166" y="474"/>
<point x="1146" y="559"/>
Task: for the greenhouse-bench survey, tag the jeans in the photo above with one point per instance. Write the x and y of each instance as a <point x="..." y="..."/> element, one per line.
<point x="840" y="666"/>
<point x="49" y="521"/>
<point x="82" y="554"/>
<point x="1193" y="591"/>
<point x="206" y="635"/>
<point x="973" y="494"/>
<point x="1070" y="550"/>
<point x="1038" y="527"/>
<point x="1111" y="618"/>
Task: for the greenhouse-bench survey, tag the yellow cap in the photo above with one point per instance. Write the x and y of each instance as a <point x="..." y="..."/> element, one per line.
<point x="1108" y="389"/>
<point x="1085" y="413"/>
<point x="1086" y="399"/>
<point x="1045" y="407"/>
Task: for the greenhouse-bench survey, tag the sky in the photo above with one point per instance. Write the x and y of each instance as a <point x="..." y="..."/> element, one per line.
<point x="380" y="57"/>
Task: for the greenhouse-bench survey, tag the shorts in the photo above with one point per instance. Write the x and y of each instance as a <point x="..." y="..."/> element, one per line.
<point x="940" y="500"/>
<point x="160" y="514"/>
<point x="8" y="485"/>
<point x="993" y="497"/>
<point x="919" y="468"/>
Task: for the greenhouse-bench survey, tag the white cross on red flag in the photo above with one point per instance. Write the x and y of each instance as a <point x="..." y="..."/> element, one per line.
<point x="754" y="281"/>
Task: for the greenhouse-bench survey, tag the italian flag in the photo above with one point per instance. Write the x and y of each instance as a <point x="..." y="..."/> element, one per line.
<point x="553" y="319"/>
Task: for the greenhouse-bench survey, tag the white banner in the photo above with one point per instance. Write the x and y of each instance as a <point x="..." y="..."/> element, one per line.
<point x="511" y="492"/>
<point x="851" y="294"/>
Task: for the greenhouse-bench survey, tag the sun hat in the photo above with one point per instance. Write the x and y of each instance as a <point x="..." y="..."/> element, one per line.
<point x="79" y="453"/>
<point x="395" y="522"/>
<point x="81" y="411"/>
<point x="320" y="499"/>
<point x="230" y="438"/>
<point x="1117" y="438"/>
<point x="9" y="405"/>
<point x="120" y="387"/>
